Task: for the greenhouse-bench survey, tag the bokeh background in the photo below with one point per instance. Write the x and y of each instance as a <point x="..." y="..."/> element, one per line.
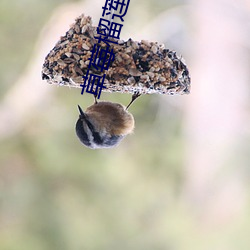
<point x="180" y="182"/>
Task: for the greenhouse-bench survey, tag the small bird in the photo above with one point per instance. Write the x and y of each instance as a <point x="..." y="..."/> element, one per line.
<point x="104" y="124"/>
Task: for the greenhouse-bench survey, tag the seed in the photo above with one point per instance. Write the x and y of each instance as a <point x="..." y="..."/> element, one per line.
<point x="120" y="42"/>
<point x="134" y="72"/>
<point x="69" y="60"/>
<point x="150" y="74"/>
<point x="78" y="79"/>
<point x="135" y="45"/>
<point x="77" y="57"/>
<point x="154" y="49"/>
<point x="77" y="51"/>
<point x="77" y="29"/>
<point x="118" y="58"/>
<point x="61" y="62"/>
<point x="152" y="69"/>
<point x="145" y="42"/>
<point x="144" y="78"/>
<point x="85" y="46"/>
<point x="78" y="70"/>
<point x="68" y="54"/>
<point x="131" y="80"/>
<point x="64" y="43"/>
<point x="84" y="28"/>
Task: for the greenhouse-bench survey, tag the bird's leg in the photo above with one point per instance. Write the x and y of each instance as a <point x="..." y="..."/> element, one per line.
<point x="134" y="97"/>
<point x="95" y="96"/>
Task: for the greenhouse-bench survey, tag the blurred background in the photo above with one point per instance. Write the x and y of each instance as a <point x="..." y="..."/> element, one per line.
<point x="180" y="182"/>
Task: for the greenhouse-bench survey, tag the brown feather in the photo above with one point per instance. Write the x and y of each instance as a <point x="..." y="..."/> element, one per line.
<point x="111" y="117"/>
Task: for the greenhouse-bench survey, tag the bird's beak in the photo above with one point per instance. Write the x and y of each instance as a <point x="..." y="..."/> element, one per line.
<point x="82" y="115"/>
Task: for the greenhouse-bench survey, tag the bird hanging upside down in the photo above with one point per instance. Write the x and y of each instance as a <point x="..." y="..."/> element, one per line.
<point x="104" y="124"/>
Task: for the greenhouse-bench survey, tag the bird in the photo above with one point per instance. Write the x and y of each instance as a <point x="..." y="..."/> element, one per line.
<point x="104" y="124"/>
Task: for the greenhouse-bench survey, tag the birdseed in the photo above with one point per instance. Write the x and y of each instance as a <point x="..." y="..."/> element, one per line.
<point x="144" y="67"/>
